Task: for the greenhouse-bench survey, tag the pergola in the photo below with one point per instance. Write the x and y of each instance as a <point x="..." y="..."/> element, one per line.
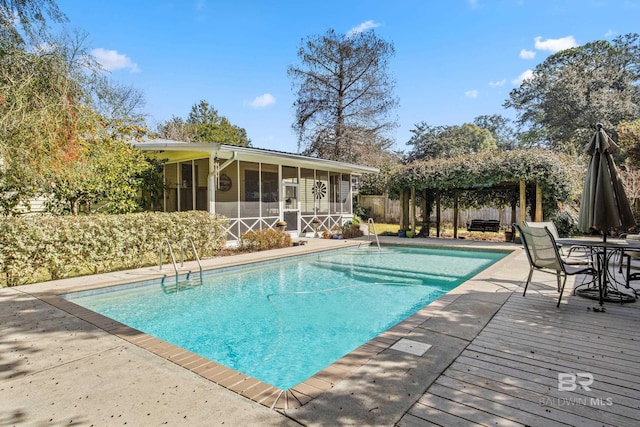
<point x="543" y="172"/>
<point x="408" y="203"/>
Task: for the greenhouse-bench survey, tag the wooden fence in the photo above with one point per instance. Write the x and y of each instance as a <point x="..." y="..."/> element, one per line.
<point x="384" y="210"/>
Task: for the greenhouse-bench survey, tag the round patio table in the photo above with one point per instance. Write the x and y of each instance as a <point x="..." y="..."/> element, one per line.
<point x="604" y="250"/>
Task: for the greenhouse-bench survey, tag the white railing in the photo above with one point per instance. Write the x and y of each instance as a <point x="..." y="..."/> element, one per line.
<point x="370" y="223"/>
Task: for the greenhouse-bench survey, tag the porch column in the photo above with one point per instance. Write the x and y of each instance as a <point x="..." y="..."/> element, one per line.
<point x="211" y="186"/>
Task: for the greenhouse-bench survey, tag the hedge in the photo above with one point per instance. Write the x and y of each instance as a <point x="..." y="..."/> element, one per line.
<point x="39" y="248"/>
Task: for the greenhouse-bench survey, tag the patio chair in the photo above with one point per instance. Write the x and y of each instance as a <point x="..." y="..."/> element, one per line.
<point x="554" y="232"/>
<point x="543" y="254"/>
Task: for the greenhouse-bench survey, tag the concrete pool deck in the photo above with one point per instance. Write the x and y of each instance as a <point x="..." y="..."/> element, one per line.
<point x="57" y="368"/>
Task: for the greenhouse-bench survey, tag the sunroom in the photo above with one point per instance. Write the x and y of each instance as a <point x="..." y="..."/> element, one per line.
<point x="256" y="188"/>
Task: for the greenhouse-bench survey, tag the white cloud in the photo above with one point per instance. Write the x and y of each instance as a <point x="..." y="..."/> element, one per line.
<point x="263" y="101"/>
<point x="471" y="93"/>
<point x="474" y="4"/>
<point x="610" y="33"/>
<point x="522" y="77"/>
<point x="555" y="45"/>
<point x="362" y="28"/>
<point x="527" y="54"/>
<point x="498" y="83"/>
<point x="111" y="60"/>
<point x="200" y="6"/>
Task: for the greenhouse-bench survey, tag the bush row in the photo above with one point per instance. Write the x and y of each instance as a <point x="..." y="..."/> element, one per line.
<point x="38" y="248"/>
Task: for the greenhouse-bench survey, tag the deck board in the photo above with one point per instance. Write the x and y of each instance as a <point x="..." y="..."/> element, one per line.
<point x="530" y="393"/>
<point x="517" y="350"/>
<point x="438" y="411"/>
<point x="451" y="412"/>
<point x="508" y="374"/>
<point x="490" y="407"/>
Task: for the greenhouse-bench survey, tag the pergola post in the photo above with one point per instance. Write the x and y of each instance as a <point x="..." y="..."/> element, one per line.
<point x="538" y="203"/>
<point x="401" y="219"/>
<point x="404" y="211"/>
<point x="523" y="203"/>
<point x="455" y="214"/>
<point x="425" y="214"/>
<point x="437" y="213"/>
<point x="412" y="210"/>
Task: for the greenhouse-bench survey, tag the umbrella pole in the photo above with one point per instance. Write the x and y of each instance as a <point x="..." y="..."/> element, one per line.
<point x="603" y="281"/>
<point x="605" y="264"/>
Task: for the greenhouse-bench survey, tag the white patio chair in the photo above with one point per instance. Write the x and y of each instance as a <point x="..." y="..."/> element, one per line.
<point x="543" y="254"/>
<point x="586" y="257"/>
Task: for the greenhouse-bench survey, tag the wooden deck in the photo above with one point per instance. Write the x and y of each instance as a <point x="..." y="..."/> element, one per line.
<point x="508" y="375"/>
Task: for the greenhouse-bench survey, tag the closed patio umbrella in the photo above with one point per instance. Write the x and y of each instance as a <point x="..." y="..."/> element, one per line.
<point x="604" y="205"/>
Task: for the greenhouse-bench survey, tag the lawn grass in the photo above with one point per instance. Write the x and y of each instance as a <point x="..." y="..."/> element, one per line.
<point x="387" y="228"/>
<point x="445" y="232"/>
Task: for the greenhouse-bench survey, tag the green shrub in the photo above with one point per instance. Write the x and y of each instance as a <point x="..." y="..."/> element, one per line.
<point x="37" y="248"/>
<point x="566" y="221"/>
<point x="261" y="240"/>
<point x="350" y="231"/>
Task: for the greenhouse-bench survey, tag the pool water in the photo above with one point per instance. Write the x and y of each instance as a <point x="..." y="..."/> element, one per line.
<point x="283" y="321"/>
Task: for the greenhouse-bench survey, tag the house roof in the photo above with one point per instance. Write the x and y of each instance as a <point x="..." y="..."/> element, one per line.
<point x="250" y="154"/>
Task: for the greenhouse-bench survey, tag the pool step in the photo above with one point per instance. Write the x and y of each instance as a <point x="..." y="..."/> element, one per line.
<point x="171" y="287"/>
<point x="384" y="274"/>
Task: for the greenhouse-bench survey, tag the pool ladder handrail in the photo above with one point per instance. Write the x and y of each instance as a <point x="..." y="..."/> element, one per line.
<point x="173" y="258"/>
<point x="189" y="240"/>
<point x="171" y="255"/>
<point x="370" y="222"/>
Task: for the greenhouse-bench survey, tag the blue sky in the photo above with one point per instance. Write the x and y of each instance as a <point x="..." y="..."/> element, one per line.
<point x="455" y="59"/>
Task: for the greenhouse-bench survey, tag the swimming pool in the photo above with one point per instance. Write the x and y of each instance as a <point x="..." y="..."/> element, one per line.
<point x="283" y="321"/>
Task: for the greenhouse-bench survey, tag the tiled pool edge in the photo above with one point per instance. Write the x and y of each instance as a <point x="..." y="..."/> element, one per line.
<point x="250" y="387"/>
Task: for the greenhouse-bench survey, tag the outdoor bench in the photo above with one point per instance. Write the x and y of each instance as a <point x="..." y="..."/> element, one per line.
<point x="484" y="225"/>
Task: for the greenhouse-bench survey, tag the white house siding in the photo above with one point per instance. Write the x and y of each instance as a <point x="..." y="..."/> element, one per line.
<point x="248" y="185"/>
